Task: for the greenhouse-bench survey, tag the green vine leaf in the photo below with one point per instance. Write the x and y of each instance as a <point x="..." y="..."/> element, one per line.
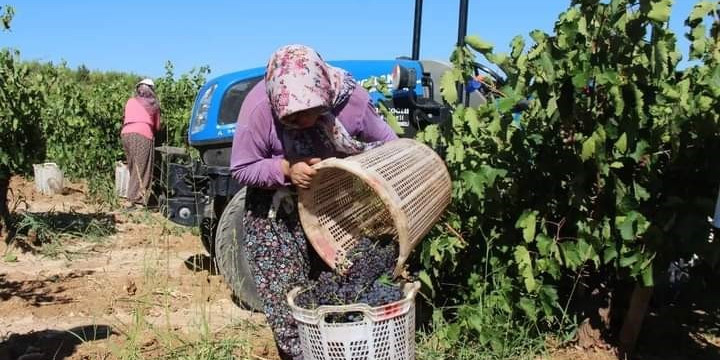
<point x="528" y="306"/>
<point x="471" y="118"/>
<point x="647" y="276"/>
<point x="588" y="148"/>
<point x="660" y="10"/>
<point x="425" y="279"/>
<point x="525" y="268"/>
<point x="609" y="254"/>
<point x="700" y="11"/>
<point x="448" y="88"/>
<point x="478" y="44"/>
<point x="621" y="144"/>
<point x="527" y="222"/>
<point x="517" y="45"/>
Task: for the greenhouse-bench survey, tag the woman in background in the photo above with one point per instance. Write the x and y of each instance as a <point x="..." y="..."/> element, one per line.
<point x="142" y="121"/>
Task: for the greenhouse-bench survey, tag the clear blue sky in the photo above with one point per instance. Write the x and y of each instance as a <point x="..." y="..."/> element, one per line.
<point x="140" y="36"/>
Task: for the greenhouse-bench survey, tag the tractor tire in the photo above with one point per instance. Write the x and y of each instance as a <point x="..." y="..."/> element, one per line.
<point x="230" y="254"/>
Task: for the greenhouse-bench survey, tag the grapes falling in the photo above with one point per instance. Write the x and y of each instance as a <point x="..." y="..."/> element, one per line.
<point x="365" y="277"/>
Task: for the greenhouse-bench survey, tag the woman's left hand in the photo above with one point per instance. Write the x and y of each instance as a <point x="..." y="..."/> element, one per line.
<point x="301" y="172"/>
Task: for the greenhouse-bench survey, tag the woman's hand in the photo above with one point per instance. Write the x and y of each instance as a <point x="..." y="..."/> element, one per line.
<point x="300" y="171"/>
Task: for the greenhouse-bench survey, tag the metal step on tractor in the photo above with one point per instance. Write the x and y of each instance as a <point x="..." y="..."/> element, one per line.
<point x="204" y="194"/>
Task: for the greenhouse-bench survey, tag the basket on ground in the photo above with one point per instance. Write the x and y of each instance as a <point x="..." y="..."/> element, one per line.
<point x="399" y="189"/>
<point x="384" y="333"/>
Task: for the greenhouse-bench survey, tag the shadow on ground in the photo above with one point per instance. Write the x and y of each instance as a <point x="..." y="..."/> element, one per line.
<point x="201" y="262"/>
<point x="39" y="292"/>
<point x="687" y="327"/>
<point x="33" y="229"/>
<point x="51" y="344"/>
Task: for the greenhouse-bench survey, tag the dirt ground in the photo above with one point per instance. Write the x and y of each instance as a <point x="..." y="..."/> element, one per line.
<point x="145" y="289"/>
<point x="149" y="281"/>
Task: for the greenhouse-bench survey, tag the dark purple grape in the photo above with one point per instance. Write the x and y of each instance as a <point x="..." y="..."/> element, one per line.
<point x="365" y="277"/>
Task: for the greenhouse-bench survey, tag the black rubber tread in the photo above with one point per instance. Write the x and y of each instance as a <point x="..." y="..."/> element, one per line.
<point x="230" y="253"/>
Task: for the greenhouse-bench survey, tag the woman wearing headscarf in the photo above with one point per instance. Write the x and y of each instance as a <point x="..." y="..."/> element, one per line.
<point x="305" y="110"/>
<point x="142" y="121"/>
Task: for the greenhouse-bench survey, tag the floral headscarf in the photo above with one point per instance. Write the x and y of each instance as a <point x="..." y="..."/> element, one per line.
<point x="146" y="95"/>
<point x="297" y="79"/>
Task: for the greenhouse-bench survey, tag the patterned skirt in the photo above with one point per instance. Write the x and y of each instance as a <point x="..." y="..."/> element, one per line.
<point x="277" y="251"/>
<point x="139" y="155"/>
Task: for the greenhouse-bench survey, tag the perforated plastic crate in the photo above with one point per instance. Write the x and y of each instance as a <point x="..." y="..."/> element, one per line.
<point x="384" y="333"/>
<point x="122" y="179"/>
<point x="49" y="178"/>
<point x="399" y="189"/>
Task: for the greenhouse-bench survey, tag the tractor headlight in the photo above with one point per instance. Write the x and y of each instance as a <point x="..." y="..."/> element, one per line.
<point x="403" y="78"/>
<point x="202" y="110"/>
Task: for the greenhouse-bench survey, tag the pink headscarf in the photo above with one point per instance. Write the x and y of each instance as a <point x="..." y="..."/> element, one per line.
<point x="297" y="79"/>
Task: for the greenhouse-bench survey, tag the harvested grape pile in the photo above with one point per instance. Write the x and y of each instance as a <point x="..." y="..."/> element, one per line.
<point x="366" y="277"/>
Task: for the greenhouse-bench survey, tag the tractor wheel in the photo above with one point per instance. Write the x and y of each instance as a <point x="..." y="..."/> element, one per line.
<point x="230" y="255"/>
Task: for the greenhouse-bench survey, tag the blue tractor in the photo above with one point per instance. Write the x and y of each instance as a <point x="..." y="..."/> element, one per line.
<point x="204" y="194"/>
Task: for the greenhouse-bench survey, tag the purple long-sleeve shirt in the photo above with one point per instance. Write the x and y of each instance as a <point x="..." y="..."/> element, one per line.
<point x="257" y="151"/>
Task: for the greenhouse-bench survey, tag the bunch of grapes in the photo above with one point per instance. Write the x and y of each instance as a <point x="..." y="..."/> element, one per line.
<point x="381" y="293"/>
<point x="364" y="277"/>
<point x="368" y="260"/>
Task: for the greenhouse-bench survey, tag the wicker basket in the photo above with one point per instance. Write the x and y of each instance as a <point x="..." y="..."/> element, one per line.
<point x="399" y="189"/>
<point x="384" y="333"/>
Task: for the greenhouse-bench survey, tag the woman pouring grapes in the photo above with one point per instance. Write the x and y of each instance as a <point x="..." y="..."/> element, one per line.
<point x="304" y="111"/>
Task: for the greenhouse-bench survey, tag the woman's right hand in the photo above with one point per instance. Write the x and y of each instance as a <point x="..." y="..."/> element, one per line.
<point x="301" y="172"/>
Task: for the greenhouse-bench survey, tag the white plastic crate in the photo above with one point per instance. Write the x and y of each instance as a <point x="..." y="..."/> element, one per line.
<point x="385" y="332"/>
<point x="122" y="179"/>
<point x="49" y="179"/>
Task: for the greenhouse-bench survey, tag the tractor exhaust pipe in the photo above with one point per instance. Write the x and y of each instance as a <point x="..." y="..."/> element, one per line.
<point x="462" y="31"/>
<point x="462" y="22"/>
<point x="416" y="30"/>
